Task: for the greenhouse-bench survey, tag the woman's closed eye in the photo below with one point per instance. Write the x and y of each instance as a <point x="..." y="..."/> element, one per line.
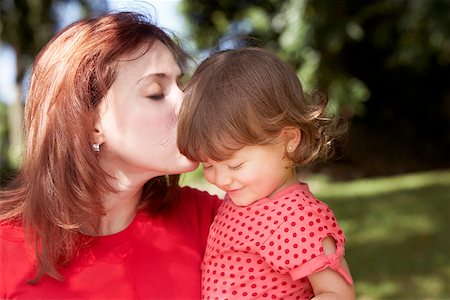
<point x="156" y="96"/>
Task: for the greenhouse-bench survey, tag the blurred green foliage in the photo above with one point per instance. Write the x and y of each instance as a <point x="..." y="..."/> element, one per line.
<point x="5" y="165"/>
<point x="385" y="65"/>
<point x="27" y="25"/>
<point x="396" y="227"/>
<point x="312" y="36"/>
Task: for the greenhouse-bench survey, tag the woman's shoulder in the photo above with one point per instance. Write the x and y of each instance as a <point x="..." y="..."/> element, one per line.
<point x="192" y="200"/>
<point x="193" y="195"/>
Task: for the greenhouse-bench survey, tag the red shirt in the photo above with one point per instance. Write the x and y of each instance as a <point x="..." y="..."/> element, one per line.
<point x="155" y="257"/>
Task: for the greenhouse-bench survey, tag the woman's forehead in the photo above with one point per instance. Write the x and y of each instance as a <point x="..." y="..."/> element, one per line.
<point x="157" y="60"/>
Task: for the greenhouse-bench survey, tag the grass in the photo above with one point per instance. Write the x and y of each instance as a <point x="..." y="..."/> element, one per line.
<point x="397" y="231"/>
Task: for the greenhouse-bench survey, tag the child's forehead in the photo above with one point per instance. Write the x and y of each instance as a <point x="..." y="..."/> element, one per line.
<point x="245" y="153"/>
<point x="218" y="154"/>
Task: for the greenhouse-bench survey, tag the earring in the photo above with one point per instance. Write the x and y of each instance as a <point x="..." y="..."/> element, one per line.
<point x="96" y="147"/>
<point x="290" y="149"/>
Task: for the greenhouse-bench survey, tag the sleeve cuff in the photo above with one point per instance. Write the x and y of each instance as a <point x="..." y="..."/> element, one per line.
<point x="318" y="264"/>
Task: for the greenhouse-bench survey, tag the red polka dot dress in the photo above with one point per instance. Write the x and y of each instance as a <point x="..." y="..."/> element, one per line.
<point x="266" y="250"/>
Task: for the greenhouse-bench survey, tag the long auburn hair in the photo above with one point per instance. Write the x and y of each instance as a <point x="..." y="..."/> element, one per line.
<point x="60" y="182"/>
<point x="246" y="96"/>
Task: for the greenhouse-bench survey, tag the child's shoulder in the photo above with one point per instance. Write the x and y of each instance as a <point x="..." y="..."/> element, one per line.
<point x="298" y="199"/>
<point x="301" y="195"/>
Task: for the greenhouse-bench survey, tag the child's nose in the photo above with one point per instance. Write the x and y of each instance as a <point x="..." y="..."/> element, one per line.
<point x="223" y="178"/>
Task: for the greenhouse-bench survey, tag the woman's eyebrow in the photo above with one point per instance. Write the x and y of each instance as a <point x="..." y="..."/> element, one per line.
<point x="159" y="75"/>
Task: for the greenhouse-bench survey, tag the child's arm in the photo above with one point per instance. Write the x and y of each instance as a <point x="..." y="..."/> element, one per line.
<point x="329" y="284"/>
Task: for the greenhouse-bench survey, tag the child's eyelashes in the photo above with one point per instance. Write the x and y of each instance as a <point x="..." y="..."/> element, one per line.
<point x="231" y="167"/>
<point x="206" y="166"/>
<point x="236" y="167"/>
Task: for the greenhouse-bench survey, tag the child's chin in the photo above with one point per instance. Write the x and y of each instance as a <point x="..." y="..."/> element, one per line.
<point x="242" y="202"/>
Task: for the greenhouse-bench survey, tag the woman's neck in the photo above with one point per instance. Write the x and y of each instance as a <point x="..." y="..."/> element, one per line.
<point x="120" y="210"/>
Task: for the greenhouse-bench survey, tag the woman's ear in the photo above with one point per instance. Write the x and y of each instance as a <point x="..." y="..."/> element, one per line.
<point x="292" y="136"/>
<point x="97" y="134"/>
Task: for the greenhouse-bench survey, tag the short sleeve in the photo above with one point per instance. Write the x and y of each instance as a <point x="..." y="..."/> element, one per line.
<point x="296" y="246"/>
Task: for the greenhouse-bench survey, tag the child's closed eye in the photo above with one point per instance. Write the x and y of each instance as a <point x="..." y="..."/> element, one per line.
<point x="236" y="167"/>
<point x="206" y="166"/>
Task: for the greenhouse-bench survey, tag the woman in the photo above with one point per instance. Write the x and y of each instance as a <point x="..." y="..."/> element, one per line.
<point x="93" y="213"/>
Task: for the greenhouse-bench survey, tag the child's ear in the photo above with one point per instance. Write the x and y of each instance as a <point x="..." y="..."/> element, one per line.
<point x="292" y="136"/>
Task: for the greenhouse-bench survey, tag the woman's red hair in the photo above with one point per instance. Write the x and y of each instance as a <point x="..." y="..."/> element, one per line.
<point x="60" y="182"/>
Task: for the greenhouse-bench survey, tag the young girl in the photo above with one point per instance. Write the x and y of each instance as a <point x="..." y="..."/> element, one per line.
<point x="246" y="118"/>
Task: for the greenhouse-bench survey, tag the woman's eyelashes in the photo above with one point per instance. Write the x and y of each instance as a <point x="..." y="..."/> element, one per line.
<point x="154" y="91"/>
<point x="156" y="96"/>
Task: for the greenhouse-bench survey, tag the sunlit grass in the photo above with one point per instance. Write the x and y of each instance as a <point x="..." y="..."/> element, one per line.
<point x="398" y="243"/>
<point x="368" y="187"/>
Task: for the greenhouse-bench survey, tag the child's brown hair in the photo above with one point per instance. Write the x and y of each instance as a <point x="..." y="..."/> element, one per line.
<point x="246" y="97"/>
